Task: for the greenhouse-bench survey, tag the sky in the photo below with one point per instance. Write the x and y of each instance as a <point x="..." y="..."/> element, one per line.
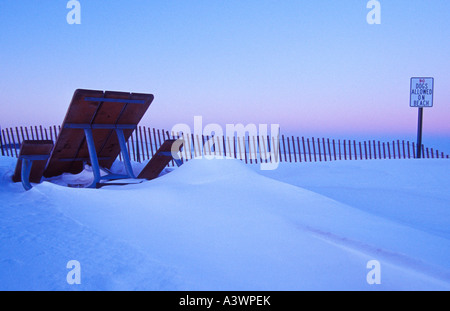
<point x="313" y="67"/>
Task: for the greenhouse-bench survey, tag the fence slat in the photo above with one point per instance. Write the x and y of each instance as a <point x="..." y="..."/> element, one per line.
<point x="155" y="140"/>
<point x="360" y="152"/>
<point x="138" y="149"/>
<point x="379" y="150"/>
<point x="279" y="148"/>
<point x="193" y="145"/>
<point x="172" y="162"/>
<point x="146" y="143"/>
<point x="176" y="136"/>
<point x="329" y="149"/>
<point x="55" y="132"/>
<point x="213" y="146"/>
<point x="259" y="147"/>
<point x="2" y="144"/>
<point x="26" y="133"/>
<point x="159" y="138"/>
<point x="254" y="150"/>
<point x="239" y="144"/>
<point x="142" y="143"/>
<point x="289" y="150"/>
<point x="318" y="149"/>
<point x="365" y="150"/>
<point x="403" y="145"/>
<point x="373" y="144"/>
<point x="263" y="143"/>
<point x="284" y="149"/>
<point x="36" y="132"/>
<point x="186" y="147"/>
<point x="218" y="146"/>
<point x="23" y="133"/>
<point x="393" y="148"/>
<point x="249" y="150"/>
<point x="13" y="145"/>
<point x="200" y="146"/>
<point x="19" y="141"/>
<point x="132" y="147"/>
<point x="245" y="149"/>
<point x="304" y="149"/>
<point x="352" y="154"/>
<point x="293" y="147"/>
<point x="299" y="150"/>
<point x="23" y="136"/>
<point x="150" y="141"/>
<point x="340" y="153"/>
<point x="345" y="150"/>
<point x="163" y="132"/>
<point x="334" y="149"/>
<point x="229" y="147"/>
<point x="8" y="143"/>
<point x="314" y="149"/>
<point x="234" y="147"/>
<point x="224" y="146"/>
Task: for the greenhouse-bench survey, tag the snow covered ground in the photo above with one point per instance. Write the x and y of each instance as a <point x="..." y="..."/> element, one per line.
<point x="224" y="225"/>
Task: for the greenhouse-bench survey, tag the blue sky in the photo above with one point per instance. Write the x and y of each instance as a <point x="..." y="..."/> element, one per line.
<point x="314" y="67"/>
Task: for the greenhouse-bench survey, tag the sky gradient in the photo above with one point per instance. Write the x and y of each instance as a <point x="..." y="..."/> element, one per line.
<point x="314" y="67"/>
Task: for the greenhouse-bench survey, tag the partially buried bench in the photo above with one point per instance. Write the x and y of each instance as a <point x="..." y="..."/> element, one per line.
<point x="95" y="130"/>
<point x="161" y="158"/>
<point x="33" y="157"/>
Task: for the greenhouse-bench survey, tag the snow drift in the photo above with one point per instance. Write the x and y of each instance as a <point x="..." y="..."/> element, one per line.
<point x="222" y="225"/>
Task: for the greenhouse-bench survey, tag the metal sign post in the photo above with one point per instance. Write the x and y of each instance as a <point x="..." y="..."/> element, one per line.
<point x="421" y="95"/>
<point x="419" y="134"/>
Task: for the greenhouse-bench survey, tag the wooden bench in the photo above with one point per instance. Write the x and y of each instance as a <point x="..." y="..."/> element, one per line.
<point x="161" y="158"/>
<point x="95" y="130"/>
<point x="33" y="157"/>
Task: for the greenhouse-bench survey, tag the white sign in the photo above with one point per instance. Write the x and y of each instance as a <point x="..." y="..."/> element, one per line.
<point x="421" y="92"/>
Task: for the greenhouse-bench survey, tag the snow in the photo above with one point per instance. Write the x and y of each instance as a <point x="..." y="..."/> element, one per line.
<point x="224" y="225"/>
